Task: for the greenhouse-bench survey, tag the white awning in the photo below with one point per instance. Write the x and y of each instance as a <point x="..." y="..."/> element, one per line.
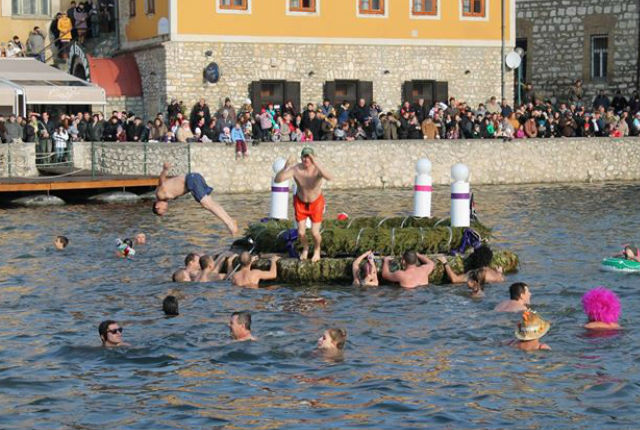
<point x="7" y="95"/>
<point x="43" y="84"/>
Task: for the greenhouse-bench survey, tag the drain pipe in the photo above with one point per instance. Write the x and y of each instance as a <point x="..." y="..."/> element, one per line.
<point x="638" y="51"/>
<point x="502" y="52"/>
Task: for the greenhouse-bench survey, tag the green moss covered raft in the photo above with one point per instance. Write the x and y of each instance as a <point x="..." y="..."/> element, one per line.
<point x="338" y="270"/>
<point x="342" y="241"/>
<point x="387" y="236"/>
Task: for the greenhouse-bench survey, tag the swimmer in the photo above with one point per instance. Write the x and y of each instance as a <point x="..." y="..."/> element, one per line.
<point x="181" y="275"/>
<point x="519" y="298"/>
<point x="308" y="201"/>
<point x="630" y="253"/>
<point x="111" y="334"/>
<point x="192" y="265"/>
<point x="172" y="188"/>
<point x="477" y="262"/>
<point x="240" y="326"/>
<point x="412" y="275"/>
<point x="474" y="284"/>
<point x="210" y="268"/>
<point x="141" y="238"/>
<point x="529" y="331"/>
<point x="368" y="275"/>
<point x="247" y="277"/>
<point x="170" y="306"/>
<point x="602" y="307"/>
<point x="60" y="242"/>
<point x="124" y="248"/>
<point x="332" y="341"/>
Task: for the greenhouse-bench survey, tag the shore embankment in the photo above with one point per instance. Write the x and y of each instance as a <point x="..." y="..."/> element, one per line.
<point x="379" y="164"/>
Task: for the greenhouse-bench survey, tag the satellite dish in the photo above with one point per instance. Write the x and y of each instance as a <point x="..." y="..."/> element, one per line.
<point x="513" y="60"/>
<point x="212" y="73"/>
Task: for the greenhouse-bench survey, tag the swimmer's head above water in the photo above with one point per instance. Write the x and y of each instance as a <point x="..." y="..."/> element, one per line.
<point x="240" y="326"/>
<point x="61" y="242"/>
<point x="160" y="207"/>
<point x="333" y="340"/>
<point x="110" y="333"/>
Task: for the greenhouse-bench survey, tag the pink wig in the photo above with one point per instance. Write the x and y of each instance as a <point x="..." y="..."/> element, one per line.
<point x="601" y="304"/>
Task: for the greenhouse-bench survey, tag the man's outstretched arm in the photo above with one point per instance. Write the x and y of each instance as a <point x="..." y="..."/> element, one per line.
<point x="287" y="171"/>
<point x="164" y="173"/>
<point x="323" y="172"/>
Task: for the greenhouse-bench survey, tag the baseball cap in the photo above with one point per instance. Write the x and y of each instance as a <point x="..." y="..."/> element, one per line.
<point x="307" y="150"/>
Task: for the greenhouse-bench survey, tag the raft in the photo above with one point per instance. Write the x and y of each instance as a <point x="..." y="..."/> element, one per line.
<point x="352" y="237"/>
<point x="338" y="270"/>
<point x="614" y="264"/>
<point x="343" y="240"/>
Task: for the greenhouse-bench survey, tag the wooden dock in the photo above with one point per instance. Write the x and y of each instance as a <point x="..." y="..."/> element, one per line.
<point x="81" y="181"/>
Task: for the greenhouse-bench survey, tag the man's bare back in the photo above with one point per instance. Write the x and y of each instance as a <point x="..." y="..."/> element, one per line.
<point x="412" y="276"/>
<point x="250" y="278"/>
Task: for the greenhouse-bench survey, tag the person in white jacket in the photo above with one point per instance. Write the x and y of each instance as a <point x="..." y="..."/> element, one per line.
<point x="60" y="139"/>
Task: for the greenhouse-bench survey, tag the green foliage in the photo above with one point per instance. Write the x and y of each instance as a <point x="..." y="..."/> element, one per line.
<point x="338" y="270"/>
<point x="389" y="236"/>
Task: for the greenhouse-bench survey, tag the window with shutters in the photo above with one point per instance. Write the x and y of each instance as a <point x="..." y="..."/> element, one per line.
<point x="424" y="7"/>
<point x="474" y="8"/>
<point x="234" y="4"/>
<point x="302" y="6"/>
<point x="30" y="7"/>
<point x="149" y="7"/>
<point x="371" y="7"/>
<point x="599" y="56"/>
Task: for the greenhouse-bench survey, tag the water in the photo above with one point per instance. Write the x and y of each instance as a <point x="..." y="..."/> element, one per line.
<point x="414" y="359"/>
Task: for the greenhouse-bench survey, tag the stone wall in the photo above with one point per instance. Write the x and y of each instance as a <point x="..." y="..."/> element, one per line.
<point x="123" y="103"/>
<point x="370" y="164"/>
<point x="18" y="159"/>
<point x="473" y="73"/>
<point x="559" y="40"/>
<point x="153" y="66"/>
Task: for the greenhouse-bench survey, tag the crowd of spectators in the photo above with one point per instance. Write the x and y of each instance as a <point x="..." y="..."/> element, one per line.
<point x="617" y="117"/>
<point x="82" y="20"/>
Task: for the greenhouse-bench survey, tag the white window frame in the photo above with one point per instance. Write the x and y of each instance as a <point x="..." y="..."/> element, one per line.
<point x="603" y="64"/>
<point x="7" y="5"/>
<point x="432" y="17"/>
<point x="247" y="11"/>
<point x="487" y="8"/>
<point x="373" y="15"/>
<point x="299" y="13"/>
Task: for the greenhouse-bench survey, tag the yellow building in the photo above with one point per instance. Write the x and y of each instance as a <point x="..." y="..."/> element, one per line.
<point x="19" y="17"/>
<point x="307" y="50"/>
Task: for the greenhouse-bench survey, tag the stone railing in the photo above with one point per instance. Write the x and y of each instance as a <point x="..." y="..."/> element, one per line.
<point x="18" y="160"/>
<point x="372" y="164"/>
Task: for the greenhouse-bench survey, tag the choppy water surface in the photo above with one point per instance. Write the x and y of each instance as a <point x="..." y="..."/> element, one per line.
<point x="414" y="359"/>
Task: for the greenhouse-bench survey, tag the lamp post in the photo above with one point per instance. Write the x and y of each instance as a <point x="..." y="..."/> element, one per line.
<point x="521" y="52"/>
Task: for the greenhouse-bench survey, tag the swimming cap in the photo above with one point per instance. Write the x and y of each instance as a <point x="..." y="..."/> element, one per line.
<point x="307" y="150"/>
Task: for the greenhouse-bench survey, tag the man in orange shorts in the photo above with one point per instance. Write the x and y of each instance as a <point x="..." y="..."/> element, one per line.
<point x="308" y="201"/>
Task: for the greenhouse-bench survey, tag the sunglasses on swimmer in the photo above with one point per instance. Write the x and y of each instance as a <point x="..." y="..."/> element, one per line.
<point x="115" y="330"/>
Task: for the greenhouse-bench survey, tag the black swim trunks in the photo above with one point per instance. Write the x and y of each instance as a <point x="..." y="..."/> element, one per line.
<point x="196" y="184"/>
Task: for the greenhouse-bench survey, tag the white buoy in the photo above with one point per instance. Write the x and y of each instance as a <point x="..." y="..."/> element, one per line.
<point x="422" y="189"/>
<point x="279" y="193"/>
<point x="460" y="196"/>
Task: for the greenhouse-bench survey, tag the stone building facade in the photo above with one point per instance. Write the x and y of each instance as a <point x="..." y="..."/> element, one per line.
<point x="471" y="73"/>
<point x="398" y="54"/>
<point x="592" y="40"/>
